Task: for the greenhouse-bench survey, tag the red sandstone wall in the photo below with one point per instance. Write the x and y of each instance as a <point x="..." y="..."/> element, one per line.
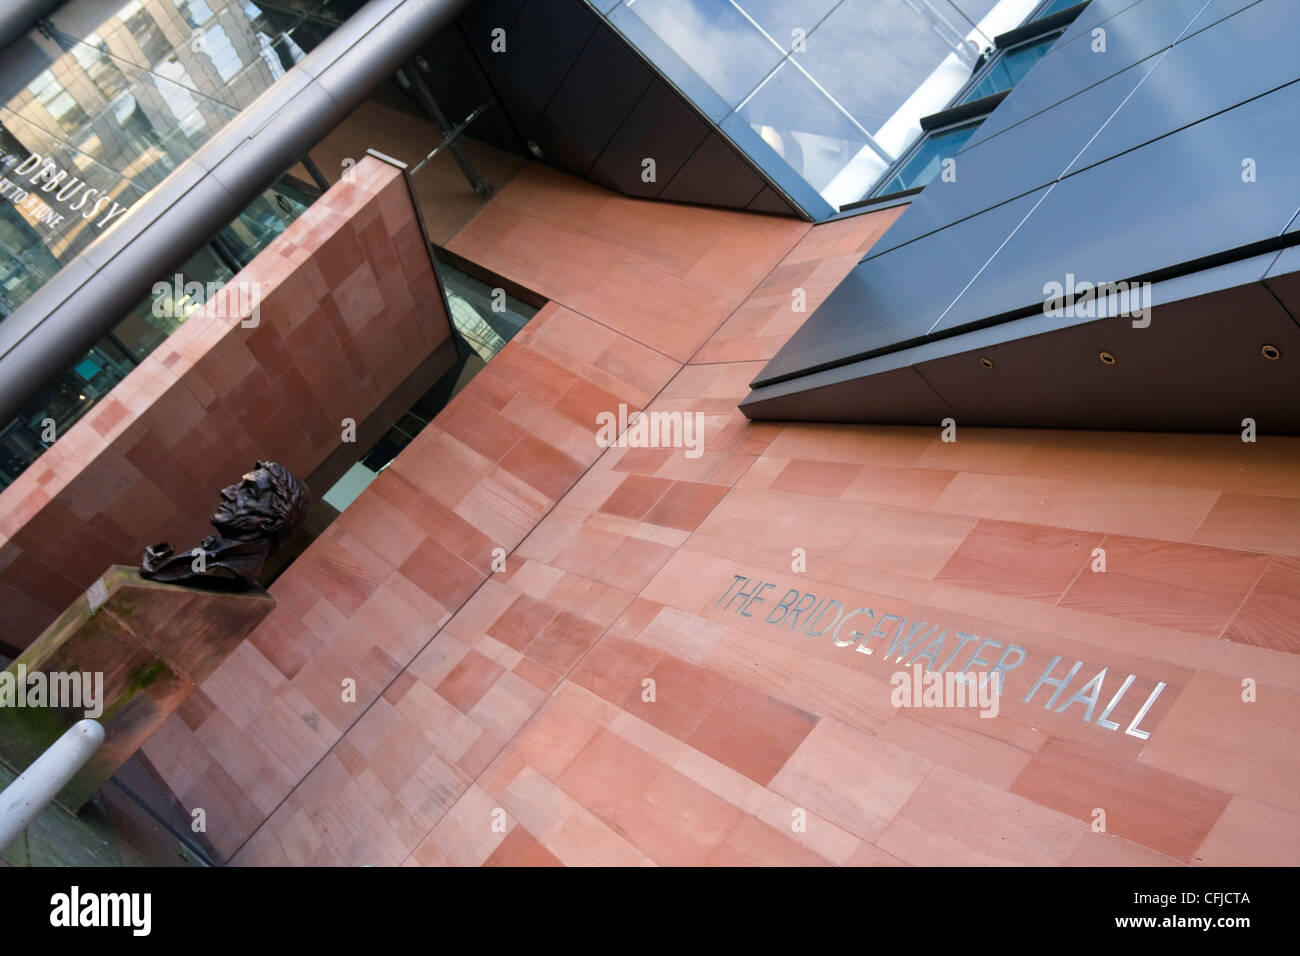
<point x="349" y="306"/>
<point x="521" y="691"/>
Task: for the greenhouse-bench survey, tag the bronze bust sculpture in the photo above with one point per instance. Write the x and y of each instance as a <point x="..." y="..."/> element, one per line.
<point x="267" y="506"/>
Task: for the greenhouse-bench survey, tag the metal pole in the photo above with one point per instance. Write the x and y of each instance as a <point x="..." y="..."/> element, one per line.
<point x="313" y="170"/>
<point x="24" y="799"/>
<point x="450" y="137"/>
<point x="19" y="16"/>
<point x="90" y="294"/>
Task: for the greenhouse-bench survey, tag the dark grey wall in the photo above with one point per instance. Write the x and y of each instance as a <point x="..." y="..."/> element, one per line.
<point x="1108" y="165"/>
<point x="581" y="93"/>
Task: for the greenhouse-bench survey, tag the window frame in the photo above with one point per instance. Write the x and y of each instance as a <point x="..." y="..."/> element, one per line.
<point x="1030" y="32"/>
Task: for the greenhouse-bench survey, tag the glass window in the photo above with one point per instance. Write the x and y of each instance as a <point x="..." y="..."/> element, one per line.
<point x="195" y="12"/>
<point x="77" y="172"/>
<point x="24" y="438"/>
<point x="779" y="19"/>
<point x="485" y="319"/>
<point x="814" y="137"/>
<point x="101" y="69"/>
<point x="873" y="55"/>
<point x="262" y="220"/>
<point x="58" y="102"/>
<point x="148" y="34"/>
<point x="25" y="263"/>
<point x="1056" y="6"/>
<point x="715" y="40"/>
<point x="266" y="51"/>
<point x="860" y="73"/>
<point x="144" y="115"/>
<point x="221" y="51"/>
<point x="177" y="93"/>
<point x="1010" y="68"/>
<point x="924" y="164"/>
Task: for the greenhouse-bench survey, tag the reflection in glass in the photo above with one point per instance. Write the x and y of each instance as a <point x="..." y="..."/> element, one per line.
<point x="1010" y="68"/>
<point x="485" y="154"/>
<point x="121" y="106"/>
<point x="780" y="19"/>
<point x="715" y="40"/>
<point x="117" y="125"/>
<point x="814" y="138"/>
<point x="968" y="14"/>
<point x="836" y="88"/>
<point x="872" y="55"/>
<point x="925" y="163"/>
<point x="1056" y="6"/>
<point x="25" y="437"/>
<point x="485" y="328"/>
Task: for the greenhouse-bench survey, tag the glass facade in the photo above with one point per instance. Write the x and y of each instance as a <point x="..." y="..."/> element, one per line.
<point x="1055" y="6"/>
<point x="924" y="163"/>
<point x="90" y="120"/>
<point x="828" y="91"/>
<point x="1010" y="68"/>
<point x="105" y="108"/>
<point x="95" y="110"/>
<point x="999" y="72"/>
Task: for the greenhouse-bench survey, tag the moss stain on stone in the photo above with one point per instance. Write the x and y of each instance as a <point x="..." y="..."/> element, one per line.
<point x="140" y="678"/>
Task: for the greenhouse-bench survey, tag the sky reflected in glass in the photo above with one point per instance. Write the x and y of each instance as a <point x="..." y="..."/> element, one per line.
<point x="836" y="87"/>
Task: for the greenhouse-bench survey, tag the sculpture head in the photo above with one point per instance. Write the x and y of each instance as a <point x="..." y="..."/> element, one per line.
<point x="268" y="502"/>
<point x="261" y="510"/>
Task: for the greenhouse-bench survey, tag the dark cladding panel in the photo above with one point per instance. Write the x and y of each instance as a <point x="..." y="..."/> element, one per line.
<point x="714" y="175"/>
<point x="897" y="396"/>
<point x="1158" y="194"/>
<point x="660" y="127"/>
<point x="484" y="16"/>
<point x="1097" y="12"/>
<point x="896" y="298"/>
<point x="1283" y="280"/>
<point x="1173" y="201"/>
<point x="1131" y="36"/>
<point x="1021" y="159"/>
<point x="581" y="94"/>
<point x="594" y="99"/>
<point x="1202" y="75"/>
<point x="542" y="44"/>
<point x="1215" y="11"/>
<point x="769" y="200"/>
<point x="1199" y="366"/>
<point x="559" y="149"/>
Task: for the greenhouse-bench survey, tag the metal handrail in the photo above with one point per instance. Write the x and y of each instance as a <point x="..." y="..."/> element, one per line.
<point x="23" y="800"/>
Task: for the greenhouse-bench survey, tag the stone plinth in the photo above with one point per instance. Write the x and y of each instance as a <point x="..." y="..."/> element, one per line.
<point x="152" y="643"/>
